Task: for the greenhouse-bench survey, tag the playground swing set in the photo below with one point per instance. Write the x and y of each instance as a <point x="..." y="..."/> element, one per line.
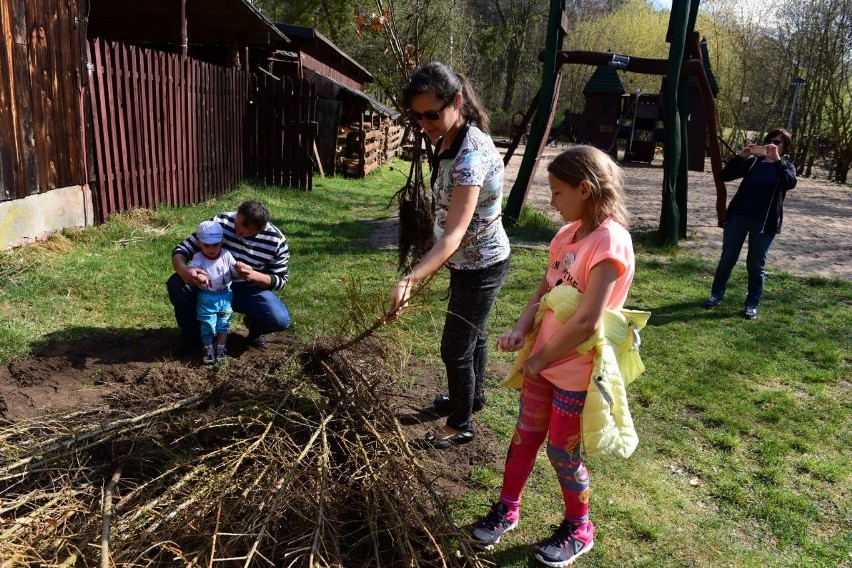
<point x="672" y="111"/>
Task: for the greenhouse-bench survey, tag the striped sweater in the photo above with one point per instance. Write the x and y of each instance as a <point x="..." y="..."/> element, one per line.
<point x="265" y="252"/>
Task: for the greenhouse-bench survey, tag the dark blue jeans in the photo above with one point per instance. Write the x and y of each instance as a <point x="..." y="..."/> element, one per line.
<point x="264" y="311"/>
<point x="734" y="234"/>
<point x="464" y="344"/>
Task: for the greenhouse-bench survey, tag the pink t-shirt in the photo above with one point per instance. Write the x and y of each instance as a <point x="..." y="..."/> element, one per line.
<point x="570" y="264"/>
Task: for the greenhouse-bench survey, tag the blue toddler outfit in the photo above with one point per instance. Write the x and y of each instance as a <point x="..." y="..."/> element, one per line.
<point x="214" y="310"/>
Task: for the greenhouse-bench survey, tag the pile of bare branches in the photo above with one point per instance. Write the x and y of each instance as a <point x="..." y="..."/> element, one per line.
<point x="296" y="461"/>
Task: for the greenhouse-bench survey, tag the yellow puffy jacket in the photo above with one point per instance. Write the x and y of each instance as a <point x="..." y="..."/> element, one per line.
<point x="607" y="424"/>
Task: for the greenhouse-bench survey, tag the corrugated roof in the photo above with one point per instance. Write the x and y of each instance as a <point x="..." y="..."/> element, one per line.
<point x="604" y="80"/>
<point x="328" y="87"/>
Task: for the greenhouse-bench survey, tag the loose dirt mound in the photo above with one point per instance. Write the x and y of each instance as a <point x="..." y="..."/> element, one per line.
<point x="72" y="375"/>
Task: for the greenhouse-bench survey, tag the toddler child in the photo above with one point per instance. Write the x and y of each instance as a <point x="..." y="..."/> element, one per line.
<point x="215" y="269"/>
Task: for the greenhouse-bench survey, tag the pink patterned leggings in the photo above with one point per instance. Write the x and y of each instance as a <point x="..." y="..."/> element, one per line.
<point x="546" y="409"/>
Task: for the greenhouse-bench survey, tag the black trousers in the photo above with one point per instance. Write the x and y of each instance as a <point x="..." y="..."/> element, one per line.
<point x="464" y="344"/>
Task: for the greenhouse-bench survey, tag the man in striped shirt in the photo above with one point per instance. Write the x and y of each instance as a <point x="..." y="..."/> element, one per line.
<point x="261" y="246"/>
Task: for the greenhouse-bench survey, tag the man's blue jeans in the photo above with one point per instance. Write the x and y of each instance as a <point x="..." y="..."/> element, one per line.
<point x="734" y="234"/>
<point x="464" y="344"/>
<point x="264" y="311"/>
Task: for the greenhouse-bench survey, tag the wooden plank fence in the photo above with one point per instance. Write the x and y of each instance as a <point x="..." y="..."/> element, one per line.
<point x="282" y="130"/>
<point x="165" y="129"/>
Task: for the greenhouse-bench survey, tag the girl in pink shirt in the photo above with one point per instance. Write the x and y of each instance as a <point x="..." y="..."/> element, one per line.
<point x="593" y="253"/>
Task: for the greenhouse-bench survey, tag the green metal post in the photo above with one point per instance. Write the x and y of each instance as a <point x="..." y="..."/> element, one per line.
<point x="538" y="128"/>
<point x="675" y="175"/>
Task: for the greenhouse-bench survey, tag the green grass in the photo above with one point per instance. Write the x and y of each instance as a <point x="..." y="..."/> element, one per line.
<point x="744" y="455"/>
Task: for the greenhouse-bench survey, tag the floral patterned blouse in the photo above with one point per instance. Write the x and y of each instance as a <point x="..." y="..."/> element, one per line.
<point x="472" y="159"/>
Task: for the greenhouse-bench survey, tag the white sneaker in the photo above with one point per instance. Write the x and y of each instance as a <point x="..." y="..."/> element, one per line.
<point x="221" y="352"/>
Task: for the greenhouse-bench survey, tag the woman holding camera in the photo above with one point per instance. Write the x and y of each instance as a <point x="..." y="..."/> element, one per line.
<point x="756" y="211"/>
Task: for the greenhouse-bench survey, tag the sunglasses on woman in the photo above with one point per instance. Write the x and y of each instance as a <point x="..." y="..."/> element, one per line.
<point x="776" y="141"/>
<point x="428" y="115"/>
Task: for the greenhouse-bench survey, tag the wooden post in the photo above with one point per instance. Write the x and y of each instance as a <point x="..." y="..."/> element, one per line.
<point x="233" y="54"/>
<point x="362" y="155"/>
<point x="673" y="214"/>
<point x="317" y="160"/>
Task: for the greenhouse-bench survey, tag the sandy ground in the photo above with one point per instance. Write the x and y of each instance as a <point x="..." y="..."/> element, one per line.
<point x="816" y="238"/>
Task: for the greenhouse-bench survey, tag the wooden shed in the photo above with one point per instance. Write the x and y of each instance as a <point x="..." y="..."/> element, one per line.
<point x="41" y="135"/>
<point x="641" y="126"/>
<point x="357" y="132"/>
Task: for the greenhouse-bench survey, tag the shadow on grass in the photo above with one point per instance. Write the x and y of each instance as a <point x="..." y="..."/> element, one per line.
<point x="419" y="416"/>
<point x="649" y="239"/>
<point x="692" y="311"/>
<point x="83" y="347"/>
<point x="518" y="555"/>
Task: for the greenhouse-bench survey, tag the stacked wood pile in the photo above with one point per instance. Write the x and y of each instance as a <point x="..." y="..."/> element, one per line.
<point x="407" y="147"/>
<point x="393" y="141"/>
<point x="361" y="148"/>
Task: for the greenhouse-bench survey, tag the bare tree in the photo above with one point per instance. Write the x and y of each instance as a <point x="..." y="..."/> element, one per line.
<point x="816" y="43"/>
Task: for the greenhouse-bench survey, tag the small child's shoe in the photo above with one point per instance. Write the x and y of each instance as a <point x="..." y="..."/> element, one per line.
<point x="221" y="352"/>
<point x="568" y="542"/>
<point x="209" y="355"/>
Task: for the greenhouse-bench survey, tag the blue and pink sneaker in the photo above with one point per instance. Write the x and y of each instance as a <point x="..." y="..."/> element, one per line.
<point x="569" y="541"/>
<point x="499" y="521"/>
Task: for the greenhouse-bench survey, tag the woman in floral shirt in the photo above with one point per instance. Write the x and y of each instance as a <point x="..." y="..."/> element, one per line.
<point x="467" y="182"/>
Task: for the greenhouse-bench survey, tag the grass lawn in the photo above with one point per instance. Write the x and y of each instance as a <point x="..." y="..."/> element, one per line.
<point x="744" y="455"/>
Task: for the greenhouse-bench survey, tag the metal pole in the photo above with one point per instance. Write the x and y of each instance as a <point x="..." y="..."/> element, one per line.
<point x="797" y="82"/>
<point x="743" y="100"/>
<point x="629" y="151"/>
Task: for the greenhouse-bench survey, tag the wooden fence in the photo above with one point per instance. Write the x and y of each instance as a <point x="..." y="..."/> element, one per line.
<point x="282" y="130"/>
<point x="165" y="129"/>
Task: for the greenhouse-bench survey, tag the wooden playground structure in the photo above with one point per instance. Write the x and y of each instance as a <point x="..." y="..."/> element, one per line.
<point x="685" y="63"/>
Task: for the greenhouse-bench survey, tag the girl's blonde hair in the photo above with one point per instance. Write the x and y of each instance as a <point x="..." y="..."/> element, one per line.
<point x="579" y="163"/>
